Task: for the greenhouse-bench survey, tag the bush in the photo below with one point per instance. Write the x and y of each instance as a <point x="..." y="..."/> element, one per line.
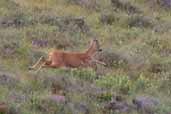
<point x="162" y="27"/>
<point x="112" y="59"/>
<point x="64" y="23"/>
<point x="125" y="6"/>
<point x="90" y="4"/>
<point x="9" y="42"/>
<point x="45" y="105"/>
<point x="164" y="83"/>
<point x="8" y="80"/>
<point x="141" y="21"/>
<point x="115" y="82"/>
<point x="159" y="65"/>
<point x="48" y="36"/>
<point x="108" y="17"/>
<point x="165" y="3"/>
<point x="17" y="19"/>
<point x="124" y="84"/>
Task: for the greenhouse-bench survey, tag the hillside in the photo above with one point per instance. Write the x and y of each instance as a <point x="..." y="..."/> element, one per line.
<point x="136" y="43"/>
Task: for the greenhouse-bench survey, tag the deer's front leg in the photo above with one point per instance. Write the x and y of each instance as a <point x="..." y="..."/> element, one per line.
<point x="46" y="64"/>
<point x="98" y="62"/>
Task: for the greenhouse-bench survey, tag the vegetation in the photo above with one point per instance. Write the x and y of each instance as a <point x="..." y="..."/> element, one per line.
<point x="136" y="43"/>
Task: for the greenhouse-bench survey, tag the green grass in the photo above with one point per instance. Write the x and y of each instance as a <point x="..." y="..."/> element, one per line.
<point x="46" y="20"/>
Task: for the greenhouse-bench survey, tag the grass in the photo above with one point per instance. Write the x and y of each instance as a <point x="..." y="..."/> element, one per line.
<point x="146" y="52"/>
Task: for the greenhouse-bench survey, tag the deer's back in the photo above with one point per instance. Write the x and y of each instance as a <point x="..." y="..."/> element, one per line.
<point x="74" y="59"/>
<point x="70" y="59"/>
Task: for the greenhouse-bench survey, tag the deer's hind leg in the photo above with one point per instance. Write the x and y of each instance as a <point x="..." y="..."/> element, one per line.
<point x="39" y="62"/>
<point x="49" y="63"/>
<point x="44" y="64"/>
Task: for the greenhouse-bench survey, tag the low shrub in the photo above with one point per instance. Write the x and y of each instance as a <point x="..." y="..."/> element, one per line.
<point x="123" y="84"/>
<point x="90" y="4"/>
<point x="125" y="6"/>
<point x="108" y="18"/>
<point x="141" y="21"/>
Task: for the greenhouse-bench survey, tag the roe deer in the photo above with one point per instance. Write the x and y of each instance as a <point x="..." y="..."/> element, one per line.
<point x="59" y="58"/>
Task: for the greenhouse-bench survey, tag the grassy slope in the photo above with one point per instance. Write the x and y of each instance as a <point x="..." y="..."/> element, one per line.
<point x="131" y="42"/>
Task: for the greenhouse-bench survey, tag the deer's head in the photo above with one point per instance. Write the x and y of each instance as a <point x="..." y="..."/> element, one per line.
<point x="94" y="47"/>
<point x="97" y="46"/>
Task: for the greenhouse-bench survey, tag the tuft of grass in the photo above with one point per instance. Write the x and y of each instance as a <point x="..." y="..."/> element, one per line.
<point x="84" y="74"/>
